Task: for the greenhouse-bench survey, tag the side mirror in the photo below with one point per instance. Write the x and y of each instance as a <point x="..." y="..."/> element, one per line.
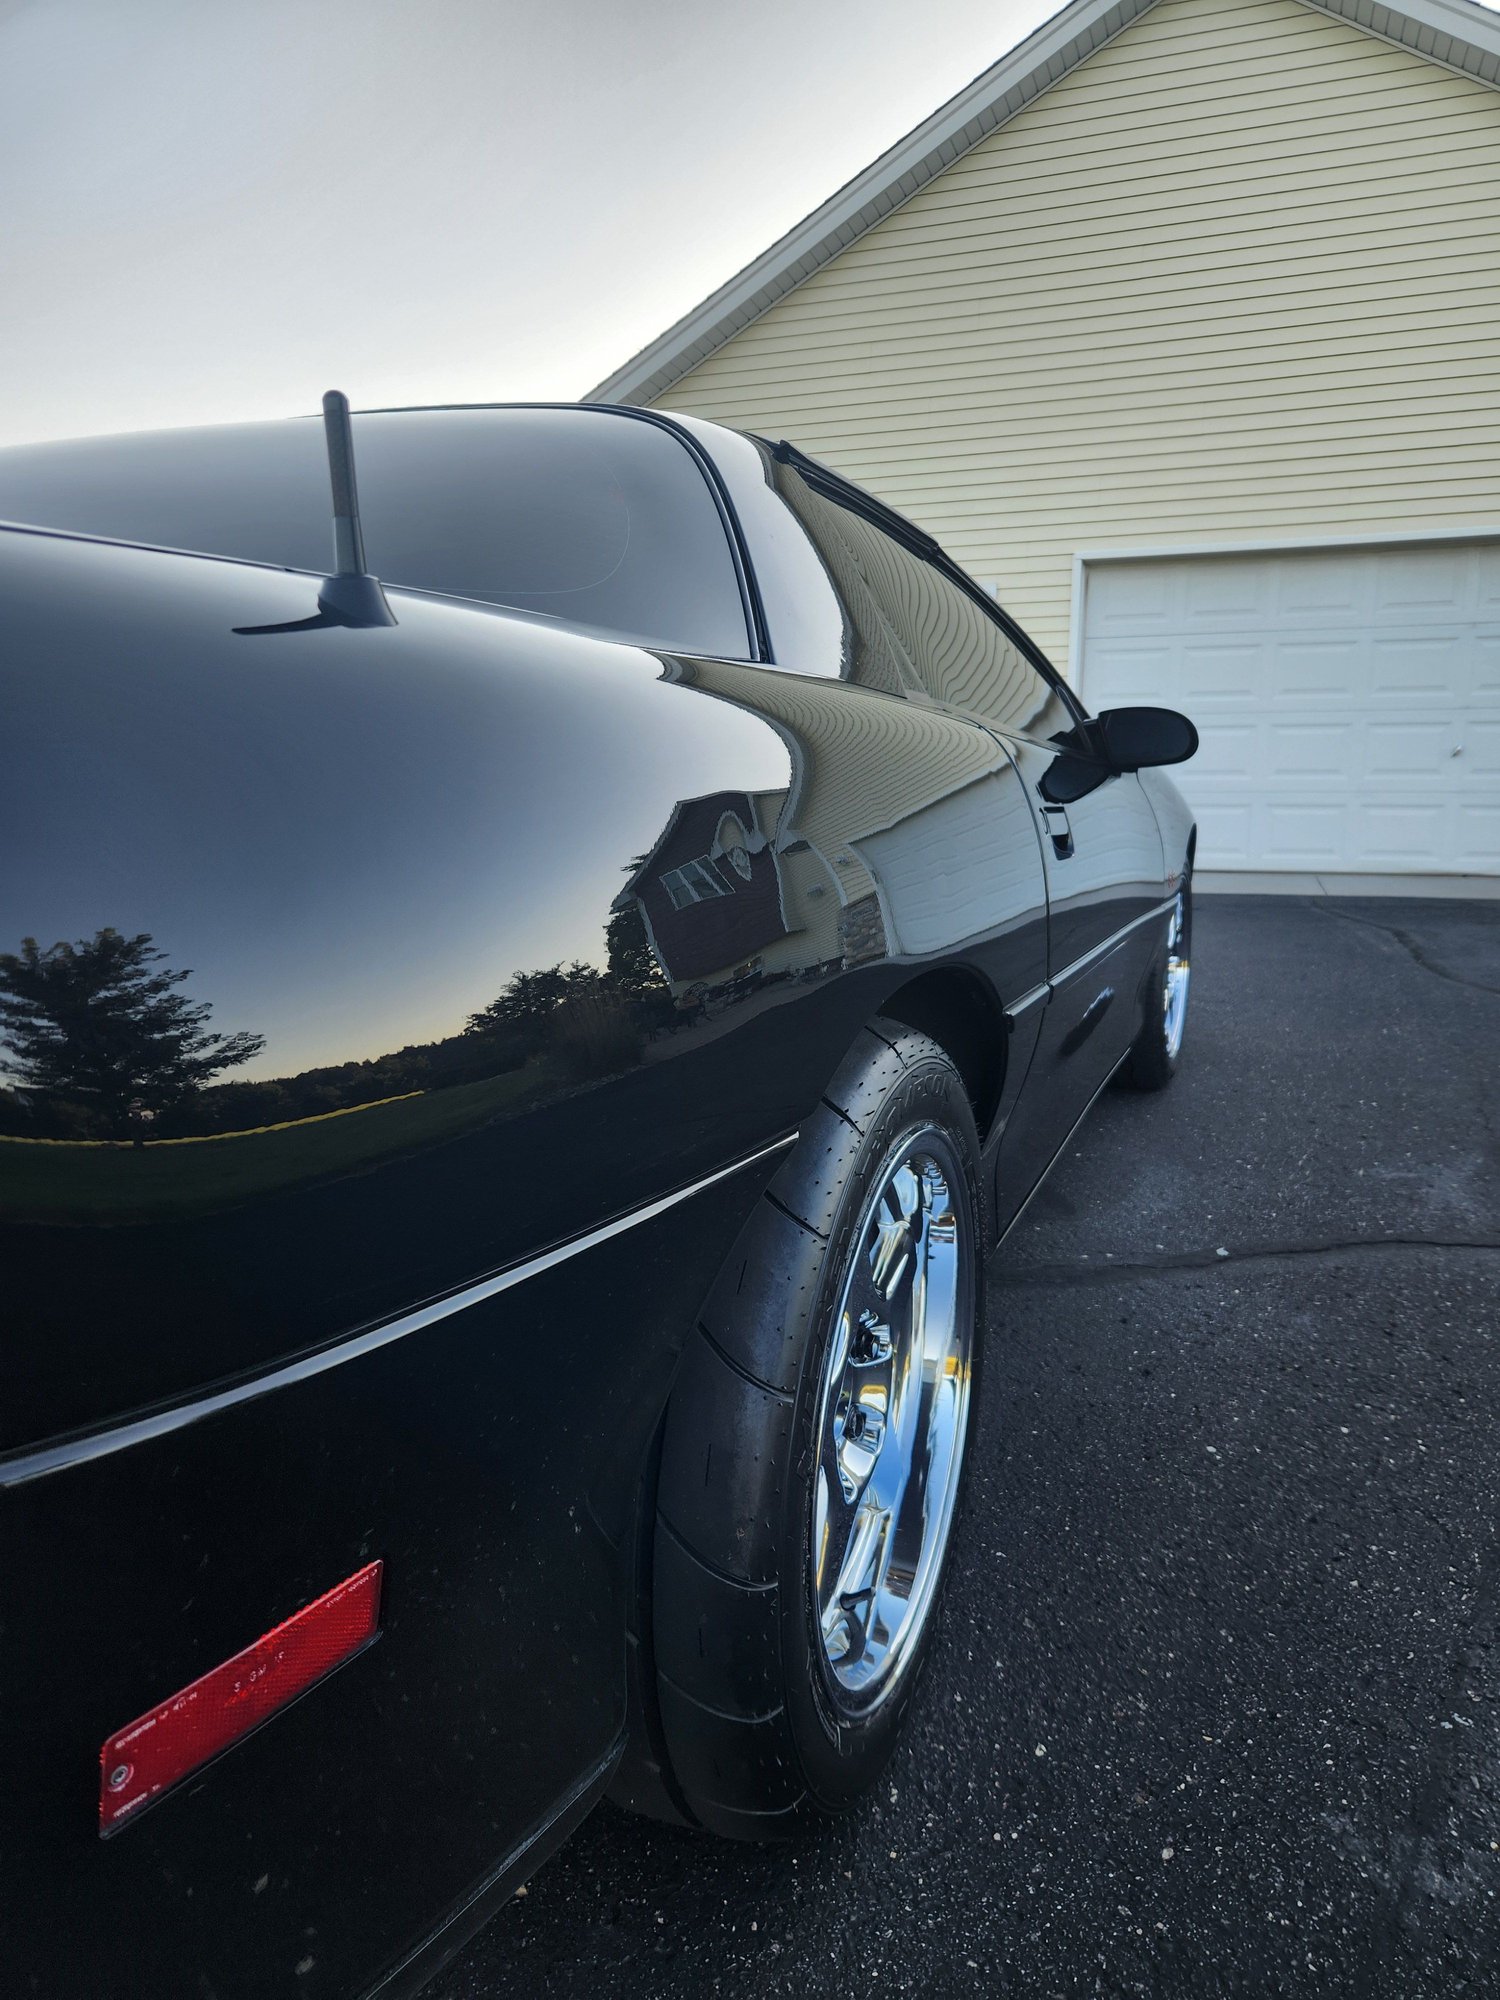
<point x="1135" y="738"/>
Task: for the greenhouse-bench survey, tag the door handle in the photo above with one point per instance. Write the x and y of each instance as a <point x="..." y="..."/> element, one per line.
<point x="1060" y="830"/>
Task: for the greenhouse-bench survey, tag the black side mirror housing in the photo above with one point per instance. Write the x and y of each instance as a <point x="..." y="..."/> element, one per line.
<point x="1133" y="739"/>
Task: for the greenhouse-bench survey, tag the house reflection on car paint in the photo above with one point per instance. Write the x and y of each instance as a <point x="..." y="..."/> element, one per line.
<point x="709" y="892"/>
<point x="904" y="829"/>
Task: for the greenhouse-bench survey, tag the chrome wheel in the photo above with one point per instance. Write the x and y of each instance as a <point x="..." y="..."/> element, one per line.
<point x="1179" y="971"/>
<point x="892" y="1419"/>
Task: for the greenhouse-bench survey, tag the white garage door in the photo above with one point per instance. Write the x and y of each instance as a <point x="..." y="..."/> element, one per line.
<point x="1348" y="701"/>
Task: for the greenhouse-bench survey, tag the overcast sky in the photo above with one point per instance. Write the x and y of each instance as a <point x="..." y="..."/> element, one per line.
<point x="219" y="208"/>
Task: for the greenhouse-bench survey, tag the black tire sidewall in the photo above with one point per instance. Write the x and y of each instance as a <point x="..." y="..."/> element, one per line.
<point x="843" y="1752"/>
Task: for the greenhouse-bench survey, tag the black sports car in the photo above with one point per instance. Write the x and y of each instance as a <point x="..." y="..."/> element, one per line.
<point x="510" y="1076"/>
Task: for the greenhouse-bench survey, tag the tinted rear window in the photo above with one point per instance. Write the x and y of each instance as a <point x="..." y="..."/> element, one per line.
<point x="600" y="521"/>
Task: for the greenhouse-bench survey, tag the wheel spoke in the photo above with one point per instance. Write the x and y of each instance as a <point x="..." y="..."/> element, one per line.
<point x="849" y="1444"/>
<point x="843" y="1334"/>
<point x="890" y="1257"/>
<point x="863" y="1295"/>
<point x="897" y="1226"/>
<point x="838" y="1503"/>
<point x="907" y="1189"/>
<point x="854" y="1592"/>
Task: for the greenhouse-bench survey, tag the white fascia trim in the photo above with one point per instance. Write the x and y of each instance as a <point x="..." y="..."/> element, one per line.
<point x="1456" y="34"/>
<point x="1366" y="538"/>
<point x="1076" y="600"/>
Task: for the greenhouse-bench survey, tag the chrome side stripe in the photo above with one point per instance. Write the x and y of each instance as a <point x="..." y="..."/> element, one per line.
<point x="29" y="1465"/>
<point x="1109" y="943"/>
<point x="1018" y="1007"/>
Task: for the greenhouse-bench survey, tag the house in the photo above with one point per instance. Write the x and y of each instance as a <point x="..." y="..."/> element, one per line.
<point x="1180" y="327"/>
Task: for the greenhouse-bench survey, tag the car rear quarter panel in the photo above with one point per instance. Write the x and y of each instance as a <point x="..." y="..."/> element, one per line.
<point x="350" y="843"/>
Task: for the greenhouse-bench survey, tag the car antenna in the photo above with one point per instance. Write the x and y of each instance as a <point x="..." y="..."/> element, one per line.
<point x="351" y="594"/>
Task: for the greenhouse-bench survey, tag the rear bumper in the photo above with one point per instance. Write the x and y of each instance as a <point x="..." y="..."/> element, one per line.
<point x="491" y="1461"/>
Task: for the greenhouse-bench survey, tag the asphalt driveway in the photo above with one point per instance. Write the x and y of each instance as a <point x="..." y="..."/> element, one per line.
<point x="1213" y="1708"/>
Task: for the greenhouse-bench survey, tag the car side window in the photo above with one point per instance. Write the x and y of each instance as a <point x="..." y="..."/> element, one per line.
<point x="909" y="630"/>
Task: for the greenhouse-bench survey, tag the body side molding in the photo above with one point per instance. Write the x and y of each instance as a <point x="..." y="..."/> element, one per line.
<point x="37" y="1463"/>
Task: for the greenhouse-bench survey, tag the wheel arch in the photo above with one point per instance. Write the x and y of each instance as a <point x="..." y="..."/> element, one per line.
<point x="963" y="1015"/>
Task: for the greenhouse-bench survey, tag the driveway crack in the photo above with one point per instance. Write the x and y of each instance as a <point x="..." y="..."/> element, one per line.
<point x="1102" y="1270"/>
<point x="1407" y="942"/>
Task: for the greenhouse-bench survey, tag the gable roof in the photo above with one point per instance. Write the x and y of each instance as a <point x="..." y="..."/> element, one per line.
<point x="1455" y="33"/>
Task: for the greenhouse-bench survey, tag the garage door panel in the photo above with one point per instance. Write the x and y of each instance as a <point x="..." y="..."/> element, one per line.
<point x="1232" y="751"/>
<point x="1408" y="667"/>
<point x="1399" y="753"/>
<point x="1477" y="826"/>
<point x="1307" y="672"/>
<point x="1331" y="691"/>
<point x="1226" y="594"/>
<point x="1299" y="834"/>
<point x="1226" y="830"/>
<point x="1320" y="590"/>
<point x="1425" y="580"/>
<point x="1133" y="669"/>
<point x="1309" y="749"/>
<point x="1223" y="673"/>
<point x="1135" y="598"/>
<point x="1401" y="836"/>
<point x="1487" y="664"/>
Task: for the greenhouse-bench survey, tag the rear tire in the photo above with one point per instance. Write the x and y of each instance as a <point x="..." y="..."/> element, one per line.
<point x="827" y="1390"/>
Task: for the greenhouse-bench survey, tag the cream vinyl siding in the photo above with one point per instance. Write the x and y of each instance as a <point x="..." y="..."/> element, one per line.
<point x="1236" y="276"/>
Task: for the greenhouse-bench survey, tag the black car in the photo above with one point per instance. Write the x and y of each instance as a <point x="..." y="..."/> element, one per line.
<point x="511" y="1073"/>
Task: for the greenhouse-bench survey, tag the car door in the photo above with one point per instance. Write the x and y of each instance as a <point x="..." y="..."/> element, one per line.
<point x="1106" y="885"/>
<point x="912" y="625"/>
<point x="943" y="838"/>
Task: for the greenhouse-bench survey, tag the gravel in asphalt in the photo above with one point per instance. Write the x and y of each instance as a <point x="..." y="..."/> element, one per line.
<point x="1214" y="1706"/>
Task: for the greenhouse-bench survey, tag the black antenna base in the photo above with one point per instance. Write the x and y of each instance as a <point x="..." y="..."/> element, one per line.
<point x="355" y="600"/>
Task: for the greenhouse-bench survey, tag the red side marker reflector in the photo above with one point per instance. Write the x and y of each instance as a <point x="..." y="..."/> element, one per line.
<point x="138" y="1764"/>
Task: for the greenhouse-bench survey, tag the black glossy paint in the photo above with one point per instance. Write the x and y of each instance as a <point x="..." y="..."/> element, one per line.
<point x="511" y="930"/>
